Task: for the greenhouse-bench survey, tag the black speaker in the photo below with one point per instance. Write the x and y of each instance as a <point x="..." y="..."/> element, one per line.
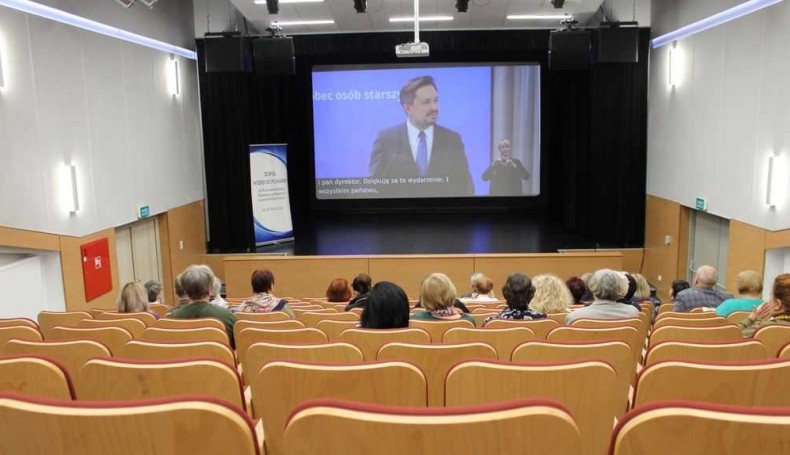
<point x="615" y="45"/>
<point x="274" y="56"/>
<point x="227" y="54"/>
<point x="569" y="50"/>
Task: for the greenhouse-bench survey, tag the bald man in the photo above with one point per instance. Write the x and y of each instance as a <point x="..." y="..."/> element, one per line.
<point x="703" y="293"/>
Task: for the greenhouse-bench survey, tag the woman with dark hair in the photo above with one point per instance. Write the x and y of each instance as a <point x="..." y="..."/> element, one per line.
<point x="361" y="287"/>
<point x="629" y="294"/>
<point x="263" y="301"/>
<point x="387" y="307"/>
<point x="338" y="291"/>
<point x="677" y="286"/>
<point x="518" y="291"/>
<point x="581" y="294"/>
<point x="775" y="311"/>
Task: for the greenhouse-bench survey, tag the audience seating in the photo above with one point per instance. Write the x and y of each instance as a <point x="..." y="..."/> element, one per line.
<point x="369" y="341"/>
<point x="616" y="353"/>
<point x="773" y="337"/>
<point x="682" y="315"/>
<point x="332" y="427"/>
<point x="194" y="425"/>
<point x="584" y="387"/>
<point x="170" y="323"/>
<point x="666" y="308"/>
<point x="158" y="308"/>
<point x="755" y="383"/>
<point x="148" y="319"/>
<point x="435" y="360"/>
<point x="281" y="386"/>
<point x="20" y="332"/>
<point x="728" y="351"/>
<point x="97" y="311"/>
<point x="628" y="335"/>
<point x="298" y="311"/>
<point x="157" y="335"/>
<point x="686" y="322"/>
<point x="114" y="338"/>
<point x="333" y="329"/>
<point x="146" y="350"/>
<point x="248" y="337"/>
<point x="540" y="327"/>
<point x="127" y="379"/>
<point x="784" y="353"/>
<point x="638" y="324"/>
<point x="259" y="354"/>
<point x="15" y="322"/>
<point x="273" y="316"/>
<point x="133" y="326"/>
<point x="312" y="319"/>
<point x="481" y="317"/>
<point x="436" y="329"/>
<point x="274" y="325"/>
<point x="49" y="319"/>
<point x="715" y="334"/>
<point x="683" y="428"/>
<point x="502" y="340"/>
<point x="35" y="375"/>
<point x="559" y="317"/>
<point x="737" y="316"/>
<point x="72" y="354"/>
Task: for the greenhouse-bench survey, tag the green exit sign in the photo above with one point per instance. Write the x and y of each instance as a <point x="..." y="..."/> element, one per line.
<point x="143" y="212"/>
<point x="702" y="204"/>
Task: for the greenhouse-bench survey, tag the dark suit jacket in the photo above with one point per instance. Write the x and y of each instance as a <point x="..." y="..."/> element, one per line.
<point x="392" y="158"/>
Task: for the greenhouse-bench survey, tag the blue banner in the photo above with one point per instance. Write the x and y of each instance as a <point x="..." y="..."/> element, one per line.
<point x="271" y="203"/>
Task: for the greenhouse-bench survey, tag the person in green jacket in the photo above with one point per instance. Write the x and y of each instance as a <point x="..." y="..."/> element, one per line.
<point x="437" y="296"/>
<point x="196" y="281"/>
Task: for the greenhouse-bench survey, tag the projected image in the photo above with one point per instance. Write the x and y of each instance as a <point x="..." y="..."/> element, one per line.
<point x="415" y="132"/>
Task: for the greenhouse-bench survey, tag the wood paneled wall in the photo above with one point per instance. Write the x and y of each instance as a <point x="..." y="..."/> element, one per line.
<point x="71" y="265"/>
<point x="664" y="263"/>
<point x="746" y="251"/>
<point x="182" y="237"/>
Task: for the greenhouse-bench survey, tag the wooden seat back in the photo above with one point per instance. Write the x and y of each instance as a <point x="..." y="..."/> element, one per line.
<point x="272" y="316"/>
<point x="72" y="354"/>
<point x="312" y="319"/>
<point x="51" y="378"/>
<point x="333" y="328"/>
<point x="773" y="336"/>
<point x="171" y="323"/>
<point x="49" y="319"/>
<point x="158" y="335"/>
<point x="502" y="340"/>
<point x="436" y="329"/>
<point x="728" y="351"/>
<point x="147" y="350"/>
<point x="714" y="334"/>
<point x="147" y="318"/>
<point x="133" y="326"/>
<point x="112" y="337"/>
<point x="541" y="327"/>
<point x="369" y="341"/>
<point x="19" y="332"/>
<point x="259" y="354"/>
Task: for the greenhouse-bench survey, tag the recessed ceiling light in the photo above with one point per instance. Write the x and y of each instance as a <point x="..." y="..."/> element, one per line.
<point x="538" y="17"/>
<point x="422" y="19"/>
<point x="318" y="22"/>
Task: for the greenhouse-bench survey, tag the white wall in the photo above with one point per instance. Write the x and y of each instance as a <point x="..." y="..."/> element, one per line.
<point x="777" y="261"/>
<point x="31" y="285"/>
<point x="73" y="96"/>
<point x="712" y="133"/>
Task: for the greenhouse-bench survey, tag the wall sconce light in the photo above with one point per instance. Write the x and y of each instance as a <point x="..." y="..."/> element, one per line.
<point x="771" y="194"/>
<point x="173" y="77"/>
<point x="2" y="80"/>
<point x="675" y="64"/>
<point x="73" y="202"/>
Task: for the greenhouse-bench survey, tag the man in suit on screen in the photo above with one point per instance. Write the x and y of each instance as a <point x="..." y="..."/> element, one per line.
<point x="421" y="148"/>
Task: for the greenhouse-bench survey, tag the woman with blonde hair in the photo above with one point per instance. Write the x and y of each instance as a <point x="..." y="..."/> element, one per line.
<point x="133" y="299"/>
<point x="551" y="295"/>
<point x="775" y="311"/>
<point x="438" y="297"/>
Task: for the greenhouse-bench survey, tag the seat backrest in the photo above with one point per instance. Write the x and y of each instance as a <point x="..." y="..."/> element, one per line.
<point x="683" y="315"/>
<point x="436" y="329"/>
<point x="72" y="354"/>
<point x="683" y="428"/>
<point x="435" y="360"/>
<point x="259" y="354"/>
<point x="170" y="425"/>
<point x="19" y="332"/>
<point x="51" y="378"/>
<point x="584" y="387"/>
<point x="158" y="308"/>
<point x="784" y="352"/>
<point x="127" y="379"/>
<point x="628" y="335"/>
<point x="147" y="318"/>
<point x="49" y="319"/>
<point x="248" y="337"/>
<point x="728" y="351"/>
<point x="665" y="308"/>
<point x="15" y="322"/>
<point x="369" y="341"/>
<point x="273" y="325"/>
<point x="134" y="326"/>
<point x="147" y="350"/>
<point x="715" y="334"/>
<point x="558" y="317"/>
<point x="172" y="323"/>
<point x="280" y="386"/>
<point x="540" y="327"/>
<point x="773" y="336"/>
<point x="481" y="317"/>
<point x="754" y="383"/>
<point x="616" y="353"/>
<point x="737" y="316"/>
<point x="686" y="322"/>
<point x="332" y="427"/>
<point x="502" y="340"/>
<point x="112" y="337"/>
<point x="312" y="319"/>
<point x="158" y="335"/>
<point x="272" y="316"/>
<point x="637" y="323"/>
<point x="333" y="329"/>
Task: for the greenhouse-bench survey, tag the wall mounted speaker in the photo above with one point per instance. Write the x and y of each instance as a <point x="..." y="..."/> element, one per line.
<point x="569" y="50"/>
<point x="615" y="45"/>
<point x="274" y="56"/>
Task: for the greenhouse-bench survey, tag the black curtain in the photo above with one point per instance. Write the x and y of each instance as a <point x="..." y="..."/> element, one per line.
<point x="594" y="130"/>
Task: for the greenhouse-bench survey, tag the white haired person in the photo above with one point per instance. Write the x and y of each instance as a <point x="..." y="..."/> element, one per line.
<point x="607" y="287"/>
<point x="197" y="281"/>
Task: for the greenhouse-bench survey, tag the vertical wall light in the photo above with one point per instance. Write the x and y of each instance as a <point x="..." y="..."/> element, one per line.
<point x="173" y="76"/>
<point x="73" y="202"/>
<point x="2" y="77"/>
<point x="675" y="66"/>
<point x="773" y="191"/>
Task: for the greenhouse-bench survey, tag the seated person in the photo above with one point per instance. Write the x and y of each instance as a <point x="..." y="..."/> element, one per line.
<point x="775" y="311"/>
<point x="551" y="295"/>
<point x="215" y="298"/>
<point x="482" y="291"/>
<point x="180" y="294"/>
<point x="437" y="296"/>
<point x="133" y="299"/>
<point x="154" y="290"/>
<point x="387" y="307"/>
<point x="518" y="291"/>
<point x="749" y="285"/>
<point x="643" y="293"/>
<point x="627" y="299"/>
<point x="361" y="287"/>
<point x="197" y="281"/>
<point x="262" y="300"/>
<point x="676" y="287"/>
<point x="581" y="294"/>
<point x="607" y="287"/>
<point x="338" y="291"/>
<point x="703" y="293"/>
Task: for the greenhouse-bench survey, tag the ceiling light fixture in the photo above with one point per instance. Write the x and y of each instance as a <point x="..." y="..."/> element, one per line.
<point x="538" y="17"/>
<point x="462" y="6"/>
<point x="422" y="19"/>
<point x="316" y="22"/>
<point x="361" y="6"/>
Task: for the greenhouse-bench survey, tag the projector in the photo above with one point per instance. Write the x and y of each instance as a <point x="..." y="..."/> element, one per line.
<point x="412" y="50"/>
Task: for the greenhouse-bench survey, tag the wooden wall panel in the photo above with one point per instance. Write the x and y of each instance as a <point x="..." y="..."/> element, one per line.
<point x="295" y="276"/>
<point x="71" y="264"/>
<point x="632" y="257"/>
<point x="19" y="238"/>
<point x="663" y="218"/>
<point x="408" y="271"/>
<point x="182" y="237"/>
<point x="777" y="239"/>
<point x="746" y="251"/>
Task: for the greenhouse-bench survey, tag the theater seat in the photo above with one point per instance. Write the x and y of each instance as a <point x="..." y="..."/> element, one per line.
<point x="51" y="378"/>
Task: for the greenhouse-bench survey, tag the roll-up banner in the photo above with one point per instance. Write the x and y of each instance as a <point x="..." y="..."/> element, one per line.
<point x="271" y="204"/>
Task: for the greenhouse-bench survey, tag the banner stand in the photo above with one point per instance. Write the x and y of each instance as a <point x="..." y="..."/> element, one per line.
<point x="271" y="202"/>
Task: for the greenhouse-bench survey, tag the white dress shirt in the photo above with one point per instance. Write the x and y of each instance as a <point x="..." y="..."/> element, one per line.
<point x="414" y="139"/>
